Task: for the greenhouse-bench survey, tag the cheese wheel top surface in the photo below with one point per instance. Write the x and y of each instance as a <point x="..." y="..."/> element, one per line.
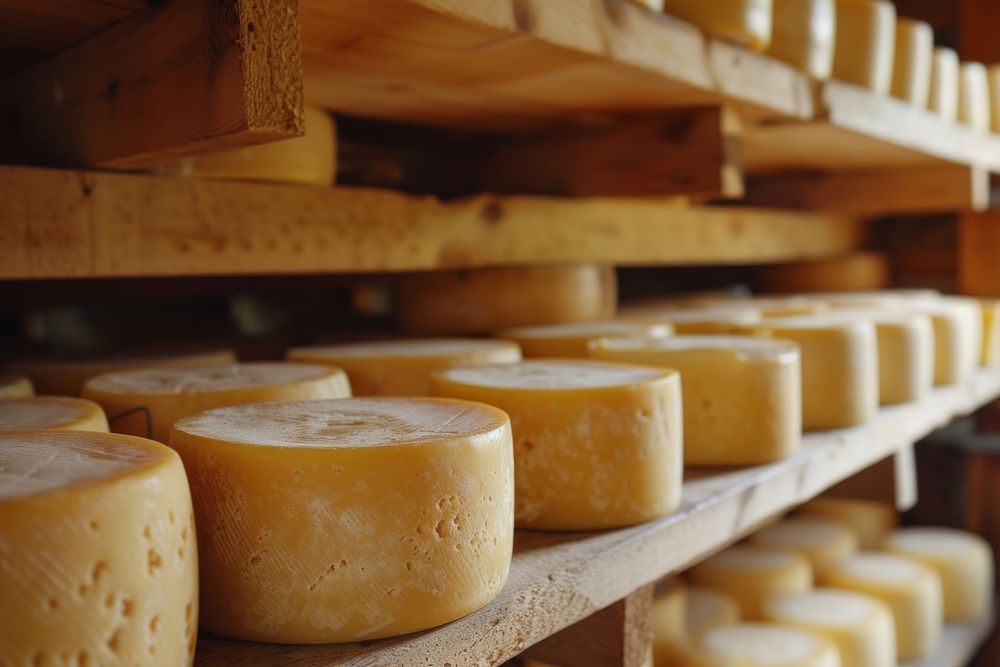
<point x="43" y="412"/>
<point x="424" y="347"/>
<point x="593" y="329"/>
<point x="762" y="643"/>
<point x="753" y="559"/>
<point x="160" y="381"/>
<point x="345" y="423"/>
<point x="744" y="345"/>
<point x="825" y="607"/>
<point x="554" y="374"/>
<point x="880" y="568"/>
<point x="940" y="542"/>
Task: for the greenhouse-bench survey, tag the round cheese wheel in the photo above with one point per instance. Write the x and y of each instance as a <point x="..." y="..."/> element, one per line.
<point x="911" y="70"/>
<point x="570" y="341"/>
<point x="870" y="520"/>
<point x="746" y="22"/>
<point x="707" y="608"/>
<point x="682" y="615"/>
<point x="596" y="445"/>
<point x="15" y="386"/>
<point x="57" y="412"/>
<point x="943" y="98"/>
<point x="751" y="575"/>
<point x="404" y="367"/>
<point x="719" y="319"/>
<point x="763" y="645"/>
<point x="803" y="35"/>
<point x="974" y="96"/>
<point x="822" y="541"/>
<point x="911" y="590"/>
<point x="958" y="336"/>
<point x="854" y="271"/>
<point x="351" y="519"/>
<point x="489" y="299"/>
<point x="866" y="36"/>
<point x="742" y="396"/>
<point x="98" y="550"/>
<point x="859" y="625"/>
<point x="963" y="561"/>
<point x="147" y="402"/>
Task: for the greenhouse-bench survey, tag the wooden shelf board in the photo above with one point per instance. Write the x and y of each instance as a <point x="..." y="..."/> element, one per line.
<point x="557" y="579"/>
<point x="959" y="644"/>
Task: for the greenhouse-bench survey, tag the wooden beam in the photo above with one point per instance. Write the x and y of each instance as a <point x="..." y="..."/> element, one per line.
<point x="979" y="254"/>
<point x="187" y="76"/>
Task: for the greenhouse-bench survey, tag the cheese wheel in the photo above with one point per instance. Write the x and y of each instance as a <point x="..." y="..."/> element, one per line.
<point x="596" y="445"/>
<point x="870" y="520"/>
<point x="963" y="561"/>
<point x="865" y="45"/>
<point x="763" y="645"/>
<point x="67" y="377"/>
<point x="742" y="396"/>
<point x="310" y="159"/>
<point x="943" y="98"/>
<point x="571" y="341"/>
<point x="681" y="616"/>
<point x="486" y="300"/>
<point x="803" y="34"/>
<point x="958" y="337"/>
<point x="746" y="22"/>
<point x="404" y="367"/>
<point x="911" y="590"/>
<point x="706" y="608"/>
<point x="974" y="96"/>
<point x="991" y="332"/>
<point x="351" y="519"/>
<point x="56" y="412"/>
<point x="752" y="575"/>
<point x="993" y="76"/>
<point x="859" y="625"/>
<point x="15" y="386"/>
<point x="911" y="70"/>
<point x="822" y="541"/>
<point x="718" y="319"/>
<point x="98" y="551"/>
<point x="854" y="271"/>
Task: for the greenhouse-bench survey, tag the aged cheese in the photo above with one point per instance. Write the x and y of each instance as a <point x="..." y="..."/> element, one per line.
<point x="752" y="575"/>
<point x="974" y="96"/>
<point x="993" y="74"/>
<point x="803" y="34"/>
<point x="963" y="561"/>
<point x="351" y="519"/>
<point x="15" y="386"/>
<point x="404" y="367"/>
<point x="147" y="402"/>
<point x="822" y="541"/>
<point x="861" y="270"/>
<point x="98" y="551"/>
<point x="58" y="412"/>
<point x="861" y="626"/>
<point x="870" y="520"/>
<point x="706" y="608"/>
<point x="763" y="645"/>
<point x="865" y="44"/>
<point x="943" y="99"/>
<point x="719" y="319"/>
<point x="742" y="395"/>
<point x="486" y="300"/>
<point x="911" y="70"/>
<point x="571" y="341"/>
<point x="958" y="336"/>
<point x="682" y="615"/>
<point x="596" y="445"/>
<point x="746" y="22"/>
<point x="991" y="332"/>
<point x="911" y="590"/>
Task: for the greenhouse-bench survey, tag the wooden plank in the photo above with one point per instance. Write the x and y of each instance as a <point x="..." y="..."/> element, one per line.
<point x="959" y="644"/>
<point x="186" y="76"/>
<point x="557" y="579"/>
<point x="87" y="224"/>
<point x="979" y="254"/>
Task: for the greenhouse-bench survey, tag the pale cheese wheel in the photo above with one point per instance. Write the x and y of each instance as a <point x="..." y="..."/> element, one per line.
<point x="719" y="319"/>
<point x="98" y="550"/>
<point x="571" y="341"/>
<point x="963" y="561"/>
<point x="803" y="35"/>
<point x="911" y="70"/>
<point x="706" y="608"/>
<point x="746" y="22"/>
<point x="865" y="45"/>
<point x="862" y="270"/>
<point x="911" y="590"/>
<point x="870" y="520"/>
<point x="15" y="386"/>
<point x="404" y="367"/>
<point x="763" y="645"/>
<point x="958" y="336"/>
<point x="974" y="97"/>
<point x="52" y="412"/>
<point x="991" y="332"/>
<point x="993" y="74"/>
<point x="822" y="541"/>
<point x="489" y="299"/>
<point x="943" y="98"/>
<point x="742" y="396"/>
<point x="861" y="626"/>
<point x="596" y="445"/>
<point x="351" y="519"/>
<point x="682" y="615"/>
<point x="752" y="575"/>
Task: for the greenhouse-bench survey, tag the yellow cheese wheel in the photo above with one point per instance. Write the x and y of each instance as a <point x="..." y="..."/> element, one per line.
<point x="866" y="36"/>
<point x="911" y="70"/>
<point x="706" y="608"/>
<point x="67" y="377"/>
<point x="752" y="575"/>
<point x="861" y="626"/>
<point x="486" y="300"/>
<point x="822" y="541"/>
<point x="571" y="341"/>
<point x="861" y="270"/>
<point x="870" y="520"/>
<point x="718" y="319"/>
<point x="596" y="445"/>
<point x="963" y="561"/>
<point x="147" y="402"/>
<point x="993" y="74"/>
<point x="404" y="367"/>
<point x="803" y="35"/>
<point x="974" y="96"/>
<point x="351" y="519"/>
<point x="746" y="22"/>
<point x="911" y="590"/>
<point x="763" y="645"/>
<point x="943" y="98"/>
<point x="958" y="336"/>
<point x="991" y="332"/>
<point x="15" y="386"/>
<point x="57" y="412"/>
<point x="742" y="396"/>
<point x="98" y="551"/>
<point x="682" y="615"/>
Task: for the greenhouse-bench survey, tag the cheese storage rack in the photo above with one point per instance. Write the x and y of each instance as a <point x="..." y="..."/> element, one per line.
<point x="94" y="88"/>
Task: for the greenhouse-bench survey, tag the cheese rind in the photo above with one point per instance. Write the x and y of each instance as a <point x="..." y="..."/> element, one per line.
<point x="870" y="520"/>
<point x="803" y="34"/>
<point x="52" y="412"/>
<point x="974" y="96"/>
<point x="15" y="386"/>
<point x="596" y="445"/>
<point x="862" y="270"/>
<point x="351" y="519"/>
<point x="943" y="98"/>
<point x="763" y="645"/>
<point x="746" y="22"/>
<point x="752" y="575"/>
<point x="822" y="541"/>
<point x="866" y="36"/>
<point x="98" y="551"/>
<point x="911" y="70"/>
<point x="571" y="341"/>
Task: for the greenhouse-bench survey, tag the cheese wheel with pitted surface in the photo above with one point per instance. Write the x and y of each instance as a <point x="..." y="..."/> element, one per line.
<point x="822" y="541"/>
<point x="571" y="341"/>
<point x="870" y="520"/>
<point x="56" y="412"/>
<point x="763" y="645"/>
<point x="15" y="386"/>
<point x="752" y="575"/>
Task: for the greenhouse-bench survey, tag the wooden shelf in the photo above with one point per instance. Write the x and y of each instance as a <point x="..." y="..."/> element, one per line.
<point x="959" y="644"/>
<point x="558" y="579"/>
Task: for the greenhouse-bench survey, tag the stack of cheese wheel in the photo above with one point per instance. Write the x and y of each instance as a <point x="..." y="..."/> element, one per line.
<point x="746" y="22"/>
<point x="596" y="445"/>
<point x="396" y="515"/>
<point x="803" y="35"/>
<point x="98" y="549"/>
<point x="871" y="521"/>
<point x="571" y="341"/>
<point x="147" y="402"/>
<point x="862" y="270"/>
<point x="404" y="367"/>
<point x="55" y="412"/>
<point x="742" y="396"/>
<point x="15" y="386"/>
<point x="753" y="575"/>
<point x="681" y="615"/>
<point x="865" y="43"/>
<point x="823" y="541"/>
